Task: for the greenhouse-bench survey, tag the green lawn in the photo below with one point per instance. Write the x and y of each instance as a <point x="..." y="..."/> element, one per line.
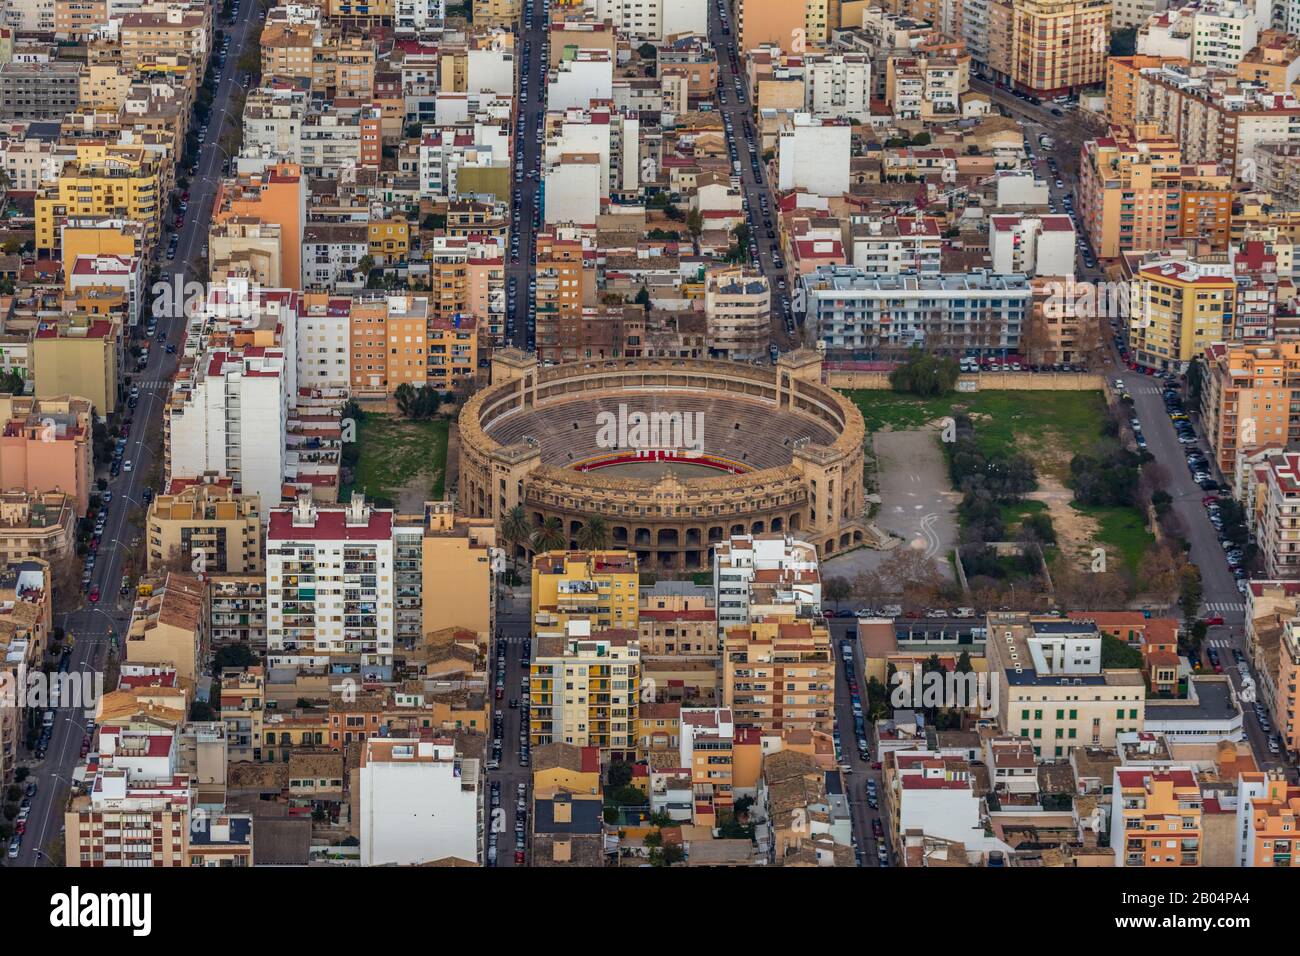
<point x="395" y="451"/>
<point x="1121" y="529"/>
<point x="1049" y="427"/>
<point x="1013" y="515"/>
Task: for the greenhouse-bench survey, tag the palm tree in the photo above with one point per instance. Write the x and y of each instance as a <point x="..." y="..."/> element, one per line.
<point x="516" y="529"/>
<point x="549" y="536"/>
<point x="594" y="534"/>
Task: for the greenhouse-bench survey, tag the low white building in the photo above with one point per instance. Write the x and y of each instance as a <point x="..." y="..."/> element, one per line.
<point x="764" y="573"/>
<point x="586" y="76"/>
<point x="419" y="803"/>
<point x="813" y="154"/>
<point x="1032" y="245"/>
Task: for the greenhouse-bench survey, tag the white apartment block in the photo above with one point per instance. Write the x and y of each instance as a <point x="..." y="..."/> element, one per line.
<point x="903" y="244"/>
<point x="232" y="422"/>
<point x="764" y="573"/>
<point x="445" y="150"/>
<point x="614" y="137"/>
<point x="934" y="799"/>
<point x="1032" y="245"/>
<point x="814" y="155"/>
<point x="573" y="190"/>
<point x="1211" y="32"/>
<point x="329" y="585"/>
<point x="416" y="16"/>
<point x="575" y="82"/>
<point x="655" y="20"/>
<point x="324" y="331"/>
<point x="273" y="120"/>
<point x="838" y="86"/>
<point x="491" y="71"/>
<point x="28" y="163"/>
<point x="330" y="142"/>
<point x="29" y="16"/>
<point x="419" y="803"/>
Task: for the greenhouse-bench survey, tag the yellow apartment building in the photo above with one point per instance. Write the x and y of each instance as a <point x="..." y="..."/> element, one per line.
<point x="205" y="528"/>
<point x="584" y="687"/>
<point x="599" y="587"/>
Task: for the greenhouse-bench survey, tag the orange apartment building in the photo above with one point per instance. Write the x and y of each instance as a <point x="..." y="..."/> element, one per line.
<point x="1205" y="204"/>
<point x="1130" y="190"/>
<point x="1122" y="75"/>
<point x="562" y="287"/>
<point x="708" y="753"/>
<point x="46" y="446"/>
<point x="1156" y="817"/>
<point x="778" y="675"/>
<point x="278" y="196"/>
<point x="1247" y="397"/>
<point x="1058" y="46"/>
<point x="1271" y="821"/>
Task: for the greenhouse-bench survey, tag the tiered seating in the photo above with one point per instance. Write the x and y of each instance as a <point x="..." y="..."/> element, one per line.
<point x="743" y="431"/>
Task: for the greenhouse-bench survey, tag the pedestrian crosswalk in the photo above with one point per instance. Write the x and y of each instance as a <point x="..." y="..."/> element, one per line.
<point x="1224" y="607"/>
<point x="1222" y="643"/>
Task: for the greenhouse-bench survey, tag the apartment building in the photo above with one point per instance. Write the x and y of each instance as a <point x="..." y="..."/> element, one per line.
<point x="1217" y="33"/>
<point x="764" y="573"/>
<point x="1156" y="817"/>
<point x="126" y="819"/>
<point x="1277" y="515"/>
<point x="420" y="802"/>
<point x="599" y="587"/>
<point x="1058" y="46"/>
<point x="796" y="26"/>
<point x="1247" y="396"/>
<point x="1123" y="82"/>
<point x="738" y="309"/>
<point x="678" y="619"/>
<point x="813" y="155"/>
<point x="46" y="90"/>
<point x="237" y="603"/>
<point x="103" y="181"/>
<point x="897" y="244"/>
<point x="37" y="525"/>
<point x="1052" y="688"/>
<point x="1032" y="245"/>
<point x="243" y="704"/>
<point x="926" y="88"/>
<point x="1214" y="116"/>
<point x="176" y="30"/>
<point x="584" y="687"/>
<point x="1178" y="308"/>
<point x="1269" y="811"/>
<point x="330" y="585"/>
<point x="564" y="284"/>
<point x="277" y="197"/>
<point x="207" y="528"/>
<point x="978" y="312"/>
<point x="934" y="813"/>
<point x="231" y="421"/>
<point x="45" y="445"/>
<point x="169" y="625"/>
<point x="459" y="557"/>
<point x="778" y="674"/>
<point x="706" y="748"/>
<point x="1129" y="190"/>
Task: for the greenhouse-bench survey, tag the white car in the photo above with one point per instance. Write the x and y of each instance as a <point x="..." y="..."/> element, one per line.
<point x="126" y="465"/>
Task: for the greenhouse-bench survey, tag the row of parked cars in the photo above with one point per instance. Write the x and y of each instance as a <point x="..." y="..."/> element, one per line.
<point x="521" y="822"/>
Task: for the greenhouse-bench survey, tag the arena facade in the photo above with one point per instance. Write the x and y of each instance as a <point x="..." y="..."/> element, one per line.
<point x="676" y="455"/>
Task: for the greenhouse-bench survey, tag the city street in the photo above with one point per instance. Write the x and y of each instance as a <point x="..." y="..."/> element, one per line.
<point x="91" y="625"/>
<point x="527" y="194"/>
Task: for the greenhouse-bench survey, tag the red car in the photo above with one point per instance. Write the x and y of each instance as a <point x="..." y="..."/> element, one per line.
<point x="20" y="827"/>
<point x="94" y="594"/>
<point x="519" y="857"/>
<point x="185" y="196"/>
<point x="1215" y="621"/>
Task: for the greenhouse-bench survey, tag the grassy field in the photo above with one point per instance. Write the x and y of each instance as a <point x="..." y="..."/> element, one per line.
<point x="1121" y="529"/>
<point x="1049" y="427"/>
<point x="1013" y="515"/>
<point x="398" y="453"/>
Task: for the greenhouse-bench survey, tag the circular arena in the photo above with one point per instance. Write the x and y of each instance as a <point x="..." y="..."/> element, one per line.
<point x="675" y="455"/>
